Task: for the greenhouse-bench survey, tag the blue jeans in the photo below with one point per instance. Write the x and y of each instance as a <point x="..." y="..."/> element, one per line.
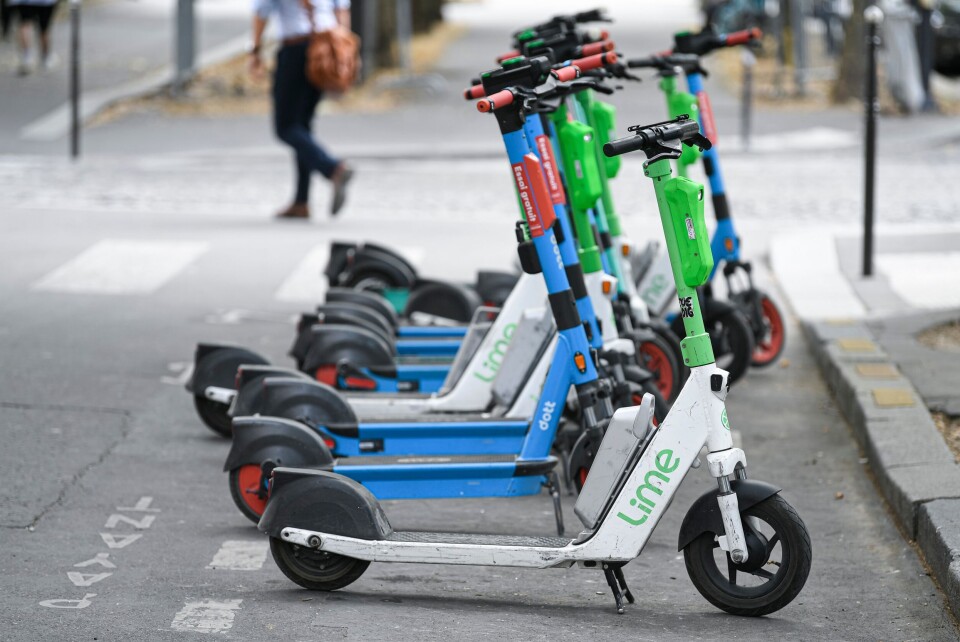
<point x="294" y="103"/>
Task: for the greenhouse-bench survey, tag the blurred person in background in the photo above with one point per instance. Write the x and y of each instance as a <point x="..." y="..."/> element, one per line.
<point x="295" y="100"/>
<point x="4" y="20"/>
<point x="37" y="14"/>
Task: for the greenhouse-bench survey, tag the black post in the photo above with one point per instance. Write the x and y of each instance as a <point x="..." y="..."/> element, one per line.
<point x="746" y="98"/>
<point x="925" y="50"/>
<point x="74" y="79"/>
<point x="873" y="16"/>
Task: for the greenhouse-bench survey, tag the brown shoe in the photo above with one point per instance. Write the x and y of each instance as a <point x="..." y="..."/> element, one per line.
<point x="295" y="211"/>
<point x="341" y="177"/>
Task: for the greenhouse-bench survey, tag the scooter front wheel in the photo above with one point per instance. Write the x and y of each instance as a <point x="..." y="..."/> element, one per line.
<point x="777" y="566"/>
<point x="214" y="415"/>
<point x="313" y="569"/>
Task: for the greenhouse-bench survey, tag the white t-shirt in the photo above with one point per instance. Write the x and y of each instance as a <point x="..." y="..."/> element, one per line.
<point x="292" y="17"/>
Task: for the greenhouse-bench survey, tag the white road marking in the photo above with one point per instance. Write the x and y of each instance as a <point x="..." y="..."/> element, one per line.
<point x="240" y="555"/>
<point x="117" y="266"/>
<point x="69" y="604"/>
<point x="307" y="282"/>
<point x="86" y="579"/>
<point x="185" y="368"/>
<point x="142" y="506"/>
<point x="101" y="559"/>
<point x="114" y="520"/>
<point x="910" y="277"/>
<point x="119" y="541"/>
<point x="206" y="616"/>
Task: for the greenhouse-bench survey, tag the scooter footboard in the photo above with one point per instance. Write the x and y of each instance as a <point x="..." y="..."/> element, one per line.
<point x="257" y="440"/>
<point x="704" y="515"/>
<point x="215" y="365"/>
<point x="323" y="502"/>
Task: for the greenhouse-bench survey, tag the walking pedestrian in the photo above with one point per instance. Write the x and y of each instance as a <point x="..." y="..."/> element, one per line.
<point x="37" y="14"/>
<point x="295" y="100"/>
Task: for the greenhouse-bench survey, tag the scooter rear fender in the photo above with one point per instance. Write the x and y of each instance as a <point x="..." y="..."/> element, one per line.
<point x="216" y="365"/>
<point x="284" y="442"/>
<point x="704" y="516"/>
<point x="324" y="502"/>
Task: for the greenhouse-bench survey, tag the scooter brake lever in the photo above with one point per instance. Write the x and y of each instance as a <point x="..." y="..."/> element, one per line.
<point x="700" y="141"/>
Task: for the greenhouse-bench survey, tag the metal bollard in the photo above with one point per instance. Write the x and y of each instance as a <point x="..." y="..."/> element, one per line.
<point x="185" y="46"/>
<point x="74" y="79"/>
<point x="746" y="96"/>
<point x="873" y="16"/>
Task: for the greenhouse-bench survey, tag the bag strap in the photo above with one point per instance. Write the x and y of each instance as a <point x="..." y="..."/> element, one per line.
<point x="308" y="6"/>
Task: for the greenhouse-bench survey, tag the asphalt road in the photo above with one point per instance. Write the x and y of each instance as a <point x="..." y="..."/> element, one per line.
<point x="95" y="421"/>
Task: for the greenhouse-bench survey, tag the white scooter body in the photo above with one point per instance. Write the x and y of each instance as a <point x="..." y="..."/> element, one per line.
<point x="697" y="418"/>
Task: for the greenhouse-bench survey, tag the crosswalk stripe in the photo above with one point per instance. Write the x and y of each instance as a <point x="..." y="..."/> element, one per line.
<point x="120" y="266"/>
<point x="306" y="283"/>
<point x="240" y="555"/>
<point x="206" y="616"/>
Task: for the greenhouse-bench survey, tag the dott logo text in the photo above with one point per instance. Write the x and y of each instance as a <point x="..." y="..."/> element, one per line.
<point x="548" y="409"/>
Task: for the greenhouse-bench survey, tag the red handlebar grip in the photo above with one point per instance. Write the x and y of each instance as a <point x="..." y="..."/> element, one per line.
<point x="566" y="74"/>
<point x="475" y="92"/>
<point x="743" y="37"/>
<point x="496" y="101"/>
<point x="595" y="61"/>
<point x="594" y="48"/>
<point x="508" y="55"/>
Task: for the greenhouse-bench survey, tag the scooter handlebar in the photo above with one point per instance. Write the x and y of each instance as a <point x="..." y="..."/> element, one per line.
<point x="594" y="48"/>
<point x="624" y="145"/>
<point x="654" y="136"/>
<point x="508" y="55"/>
<point x="496" y="101"/>
<point x="743" y="37"/>
<point x="476" y="91"/>
<point x="566" y="74"/>
<point x="596" y="61"/>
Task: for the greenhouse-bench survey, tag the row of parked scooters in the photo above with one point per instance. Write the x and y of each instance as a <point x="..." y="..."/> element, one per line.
<point x="572" y="375"/>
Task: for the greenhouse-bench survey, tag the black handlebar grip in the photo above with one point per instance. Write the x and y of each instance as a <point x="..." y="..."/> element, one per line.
<point x="625" y="145"/>
<point x="649" y="61"/>
<point x="593" y="15"/>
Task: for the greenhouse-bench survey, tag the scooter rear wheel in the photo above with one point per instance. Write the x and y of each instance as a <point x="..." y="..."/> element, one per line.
<point x="773" y="336"/>
<point x="244" y="486"/>
<point x="655" y="355"/>
<point x="732" y="341"/>
<point x="214" y="415"/>
<point x="776" y="568"/>
<point x="313" y="569"/>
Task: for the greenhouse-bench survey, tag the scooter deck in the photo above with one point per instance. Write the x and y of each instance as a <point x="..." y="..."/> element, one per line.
<point x="446" y="476"/>
<point x="479" y="539"/>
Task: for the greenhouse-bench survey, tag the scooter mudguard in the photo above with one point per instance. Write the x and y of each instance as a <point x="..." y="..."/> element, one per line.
<point x="283" y="442"/>
<point x="333" y="343"/>
<point x="301" y="343"/>
<point x="367" y="263"/>
<point x="216" y="365"/>
<point x="451" y="301"/>
<point x="308" y="402"/>
<point x="704" y="516"/>
<point x="250" y="379"/>
<point x="323" y="502"/>
<point x="494" y="287"/>
<point x="367" y="299"/>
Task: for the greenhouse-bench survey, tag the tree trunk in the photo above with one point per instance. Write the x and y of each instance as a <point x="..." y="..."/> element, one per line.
<point x="853" y="60"/>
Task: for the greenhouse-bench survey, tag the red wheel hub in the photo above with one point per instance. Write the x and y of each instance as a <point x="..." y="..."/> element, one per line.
<point x="249" y="480"/>
<point x="653" y="359"/>
<point x="772" y="342"/>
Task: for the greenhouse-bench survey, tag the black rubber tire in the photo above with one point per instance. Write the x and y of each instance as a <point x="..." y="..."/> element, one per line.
<point x="658" y="345"/>
<point x="214" y="415"/>
<point x="796" y="557"/>
<point x="235" y="494"/>
<point x="344" y="571"/>
<point x="732" y="336"/>
<point x="370" y="281"/>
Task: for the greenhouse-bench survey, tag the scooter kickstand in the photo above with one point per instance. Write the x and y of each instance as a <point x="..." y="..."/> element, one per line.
<point x="553" y="486"/>
<point x="609" y="573"/>
<point x="618" y="573"/>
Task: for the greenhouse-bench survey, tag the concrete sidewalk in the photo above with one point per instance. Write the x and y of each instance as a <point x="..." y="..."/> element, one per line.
<point x="864" y="334"/>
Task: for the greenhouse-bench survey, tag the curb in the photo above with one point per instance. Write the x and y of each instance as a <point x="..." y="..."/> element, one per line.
<point x="913" y="466"/>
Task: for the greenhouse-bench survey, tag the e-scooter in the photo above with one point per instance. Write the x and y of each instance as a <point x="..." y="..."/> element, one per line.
<point x="746" y="549"/>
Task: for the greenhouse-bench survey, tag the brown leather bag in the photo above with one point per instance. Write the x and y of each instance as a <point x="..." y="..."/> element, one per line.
<point x="333" y="56"/>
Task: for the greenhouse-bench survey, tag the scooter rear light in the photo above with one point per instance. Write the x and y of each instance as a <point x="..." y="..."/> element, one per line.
<point x="625" y="250"/>
<point x="329" y="443"/>
<point x="327" y="374"/>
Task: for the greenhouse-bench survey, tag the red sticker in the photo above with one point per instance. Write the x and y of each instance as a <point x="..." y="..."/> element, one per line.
<point x="706" y="117"/>
<point x="526" y="199"/>
<point x="541" y="194"/>
<point x="550" y="170"/>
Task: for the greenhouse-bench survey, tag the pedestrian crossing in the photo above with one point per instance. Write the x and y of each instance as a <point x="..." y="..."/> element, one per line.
<point x="123" y="267"/>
